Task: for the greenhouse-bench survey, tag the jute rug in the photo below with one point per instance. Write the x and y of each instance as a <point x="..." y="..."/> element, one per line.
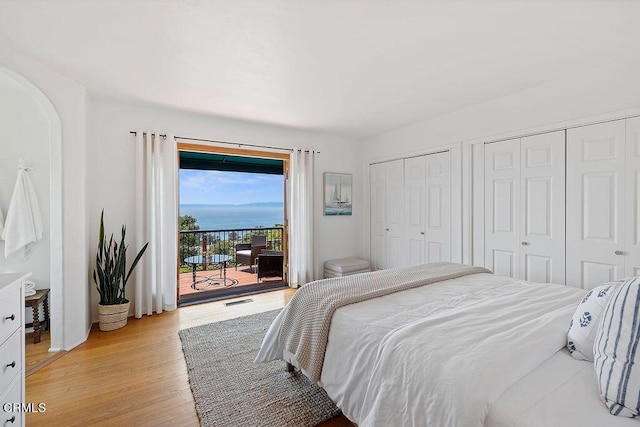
<point x="230" y="390"/>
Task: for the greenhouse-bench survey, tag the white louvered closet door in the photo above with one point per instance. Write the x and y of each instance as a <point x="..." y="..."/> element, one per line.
<point x="502" y="207"/>
<point x="632" y="199"/>
<point x="595" y="204"/>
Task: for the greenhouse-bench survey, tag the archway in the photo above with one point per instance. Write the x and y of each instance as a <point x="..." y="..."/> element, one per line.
<point x="50" y="135"/>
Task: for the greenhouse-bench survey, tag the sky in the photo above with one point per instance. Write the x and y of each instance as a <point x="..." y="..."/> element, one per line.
<point x="234" y="188"/>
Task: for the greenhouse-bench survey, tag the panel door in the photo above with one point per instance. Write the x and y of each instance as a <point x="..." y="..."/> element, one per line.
<point x="394" y="177"/>
<point x="415" y="208"/>
<point x="378" y="216"/>
<point x="595" y="204"/>
<point x="438" y="207"/>
<point x="542" y="220"/>
<point x="632" y="198"/>
<point x="502" y="207"/>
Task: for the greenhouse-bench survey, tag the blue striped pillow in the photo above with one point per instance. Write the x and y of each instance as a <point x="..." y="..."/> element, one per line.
<point x="616" y="351"/>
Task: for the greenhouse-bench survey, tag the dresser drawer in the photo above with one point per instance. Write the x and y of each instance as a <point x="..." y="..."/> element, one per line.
<point x="13" y="395"/>
<point x="11" y="308"/>
<point x="10" y="359"/>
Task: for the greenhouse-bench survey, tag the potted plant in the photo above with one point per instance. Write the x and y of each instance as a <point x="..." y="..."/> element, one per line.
<point x="110" y="276"/>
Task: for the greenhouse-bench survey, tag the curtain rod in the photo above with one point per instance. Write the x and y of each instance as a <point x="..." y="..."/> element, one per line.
<point x="239" y="144"/>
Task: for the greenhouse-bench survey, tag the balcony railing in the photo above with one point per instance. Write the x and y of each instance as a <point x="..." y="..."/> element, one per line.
<point x="223" y="242"/>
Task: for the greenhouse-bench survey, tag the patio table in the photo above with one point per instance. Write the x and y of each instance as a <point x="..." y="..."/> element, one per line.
<point x="218" y="259"/>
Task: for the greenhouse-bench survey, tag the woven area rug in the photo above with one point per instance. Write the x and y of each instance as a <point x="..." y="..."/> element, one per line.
<point x="230" y="390"/>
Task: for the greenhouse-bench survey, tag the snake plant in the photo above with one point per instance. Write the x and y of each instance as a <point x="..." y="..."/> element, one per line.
<point x="110" y="274"/>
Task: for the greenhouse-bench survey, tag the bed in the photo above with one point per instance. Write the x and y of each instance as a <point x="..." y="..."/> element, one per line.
<point x="468" y="349"/>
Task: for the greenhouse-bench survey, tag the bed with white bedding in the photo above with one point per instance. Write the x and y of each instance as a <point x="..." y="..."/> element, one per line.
<point x="473" y="350"/>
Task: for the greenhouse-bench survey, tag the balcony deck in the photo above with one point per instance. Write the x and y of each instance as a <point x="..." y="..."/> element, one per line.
<point x="244" y="280"/>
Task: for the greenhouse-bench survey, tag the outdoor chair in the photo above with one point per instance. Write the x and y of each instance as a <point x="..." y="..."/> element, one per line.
<point x="246" y="253"/>
<point x="270" y="264"/>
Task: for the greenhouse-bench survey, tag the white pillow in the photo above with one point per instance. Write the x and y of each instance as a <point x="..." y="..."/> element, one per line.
<point x="585" y="321"/>
<point x="615" y="357"/>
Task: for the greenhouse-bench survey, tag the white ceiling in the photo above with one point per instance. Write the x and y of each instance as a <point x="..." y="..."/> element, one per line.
<point x="353" y="68"/>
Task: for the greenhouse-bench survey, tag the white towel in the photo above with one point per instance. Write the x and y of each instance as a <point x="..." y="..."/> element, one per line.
<point x="29" y="286"/>
<point x="23" y="225"/>
<point x="29" y="292"/>
<point x="1" y="223"/>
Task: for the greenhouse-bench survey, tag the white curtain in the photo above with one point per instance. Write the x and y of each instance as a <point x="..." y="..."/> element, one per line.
<point x="156" y="223"/>
<point x="301" y="236"/>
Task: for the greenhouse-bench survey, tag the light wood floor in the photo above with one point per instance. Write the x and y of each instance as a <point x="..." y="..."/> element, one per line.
<point x="135" y="376"/>
<point x="37" y="355"/>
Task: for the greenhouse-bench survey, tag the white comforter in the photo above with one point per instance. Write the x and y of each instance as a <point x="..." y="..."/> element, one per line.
<point x="439" y="355"/>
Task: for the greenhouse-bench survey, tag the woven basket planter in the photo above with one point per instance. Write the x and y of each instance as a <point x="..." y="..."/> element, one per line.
<point x="113" y="317"/>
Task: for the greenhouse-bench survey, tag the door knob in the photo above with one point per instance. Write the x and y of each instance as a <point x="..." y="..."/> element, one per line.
<point x="524" y="243"/>
<point x="619" y="253"/>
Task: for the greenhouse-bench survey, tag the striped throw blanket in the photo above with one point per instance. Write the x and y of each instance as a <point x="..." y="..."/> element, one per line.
<point x="307" y="317"/>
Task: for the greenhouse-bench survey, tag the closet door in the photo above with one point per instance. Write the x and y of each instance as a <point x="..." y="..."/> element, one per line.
<point x="438" y="207"/>
<point x="542" y="218"/>
<point x="502" y="207"/>
<point x="525" y="208"/>
<point x="595" y="204"/>
<point x="632" y="199"/>
<point x="378" y="216"/>
<point x="394" y="178"/>
<point x="415" y="208"/>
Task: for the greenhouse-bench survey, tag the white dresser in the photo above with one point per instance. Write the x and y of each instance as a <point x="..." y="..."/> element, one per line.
<point x="12" y="379"/>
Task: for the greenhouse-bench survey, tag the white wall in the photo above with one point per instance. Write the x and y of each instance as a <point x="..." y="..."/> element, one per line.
<point x="607" y="89"/>
<point x="25" y="137"/>
<point x="65" y="100"/>
<point x="608" y="92"/>
<point x="111" y="166"/>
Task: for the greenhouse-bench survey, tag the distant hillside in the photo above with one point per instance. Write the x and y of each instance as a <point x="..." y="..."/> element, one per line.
<point x="242" y="205"/>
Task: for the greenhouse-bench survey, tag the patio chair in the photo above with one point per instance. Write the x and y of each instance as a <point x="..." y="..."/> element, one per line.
<point x="246" y="253"/>
<point x="270" y="264"/>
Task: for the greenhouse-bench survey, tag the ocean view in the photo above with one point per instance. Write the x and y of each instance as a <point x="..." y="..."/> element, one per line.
<point x="227" y="217"/>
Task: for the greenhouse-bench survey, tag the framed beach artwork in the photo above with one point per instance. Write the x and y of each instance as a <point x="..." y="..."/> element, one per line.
<point x="337" y="193"/>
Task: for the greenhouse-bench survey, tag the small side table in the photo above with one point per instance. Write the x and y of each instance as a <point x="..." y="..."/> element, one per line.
<point x="33" y="301"/>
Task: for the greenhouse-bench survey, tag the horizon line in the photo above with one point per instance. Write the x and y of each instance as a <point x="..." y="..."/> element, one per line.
<point x="233" y="204"/>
